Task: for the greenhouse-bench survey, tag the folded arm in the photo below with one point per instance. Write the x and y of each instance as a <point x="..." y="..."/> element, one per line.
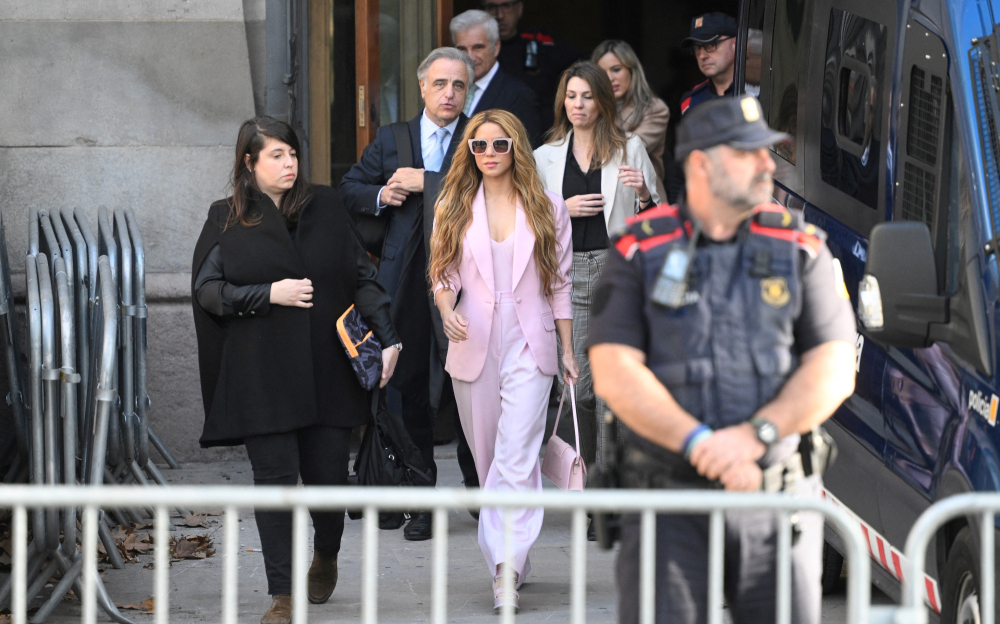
<point x="221" y="298"/>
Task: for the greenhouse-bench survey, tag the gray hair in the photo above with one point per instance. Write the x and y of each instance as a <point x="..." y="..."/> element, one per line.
<point x="450" y="54"/>
<point x="473" y="18"/>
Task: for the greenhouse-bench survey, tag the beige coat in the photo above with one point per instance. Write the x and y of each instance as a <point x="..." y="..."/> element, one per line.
<point x="652" y="129"/>
<point x="620" y="201"/>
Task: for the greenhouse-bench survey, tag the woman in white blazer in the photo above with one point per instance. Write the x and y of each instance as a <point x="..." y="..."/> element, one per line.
<point x="605" y="176"/>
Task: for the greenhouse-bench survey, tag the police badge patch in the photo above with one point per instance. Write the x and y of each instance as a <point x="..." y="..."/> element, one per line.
<point x="774" y="291"/>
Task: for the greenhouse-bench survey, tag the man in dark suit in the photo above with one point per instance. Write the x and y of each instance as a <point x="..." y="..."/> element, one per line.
<point x="476" y="33"/>
<point x="378" y="184"/>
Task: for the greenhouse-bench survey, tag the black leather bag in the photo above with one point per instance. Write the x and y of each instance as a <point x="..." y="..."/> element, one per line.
<point x="373" y="228"/>
<point x="388" y="456"/>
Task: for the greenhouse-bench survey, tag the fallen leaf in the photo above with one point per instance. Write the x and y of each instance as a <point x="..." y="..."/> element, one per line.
<point x="197" y="520"/>
<point x="184" y="549"/>
<point x="146" y="606"/>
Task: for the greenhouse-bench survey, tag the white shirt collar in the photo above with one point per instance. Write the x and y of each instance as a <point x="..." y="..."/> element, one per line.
<point x="484" y="82"/>
<point x="428" y="128"/>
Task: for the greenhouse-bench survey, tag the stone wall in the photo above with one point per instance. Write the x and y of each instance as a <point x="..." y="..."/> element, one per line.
<point x="131" y="103"/>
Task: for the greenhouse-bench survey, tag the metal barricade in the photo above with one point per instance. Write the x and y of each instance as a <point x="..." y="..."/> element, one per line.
<point x="372" y="500"/>
<point x="79" y="284"/>
<point x="981" y="507"/>
<point x="108" y="248"/>
<point x="15" y="373"/>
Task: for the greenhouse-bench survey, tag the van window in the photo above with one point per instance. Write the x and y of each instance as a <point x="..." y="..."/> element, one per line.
<point x="753" y="49"/>
<point x="786" y="54"/>
<point x="927" y="148"/>
<point x="852" y="106"/>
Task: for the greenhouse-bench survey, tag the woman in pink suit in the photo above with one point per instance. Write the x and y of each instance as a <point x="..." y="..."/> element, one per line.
<point x="504" y="244"/>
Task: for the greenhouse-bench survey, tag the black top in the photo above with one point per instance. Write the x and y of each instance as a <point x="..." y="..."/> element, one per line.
<point x="618" y="314"/>
<point x="589" y="233"/>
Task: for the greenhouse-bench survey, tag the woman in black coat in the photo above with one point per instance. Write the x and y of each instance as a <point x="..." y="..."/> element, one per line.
<point x="275" y="267"/>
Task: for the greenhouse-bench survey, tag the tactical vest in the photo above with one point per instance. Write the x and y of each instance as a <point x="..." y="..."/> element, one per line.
<point x="731" y="347"/>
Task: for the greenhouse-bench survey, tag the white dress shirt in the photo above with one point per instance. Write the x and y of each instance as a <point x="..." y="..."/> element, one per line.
<point x="481" y="85"/>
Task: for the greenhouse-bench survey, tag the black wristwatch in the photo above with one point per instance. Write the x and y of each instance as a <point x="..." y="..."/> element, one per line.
<point x="767" y="431"/>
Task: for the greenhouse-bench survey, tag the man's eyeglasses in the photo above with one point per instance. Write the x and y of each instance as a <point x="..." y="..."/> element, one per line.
<point x="709" y="46"/>
<point x="500" y="146"/>
<point x="495" y="8"/>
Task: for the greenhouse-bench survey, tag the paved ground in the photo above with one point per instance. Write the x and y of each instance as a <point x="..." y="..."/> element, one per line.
<point x="404" y="585"/>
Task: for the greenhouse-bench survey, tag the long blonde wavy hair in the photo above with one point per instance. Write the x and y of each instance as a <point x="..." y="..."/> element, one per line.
<point x="609" y="139"/>
<point x="453" y="211"/>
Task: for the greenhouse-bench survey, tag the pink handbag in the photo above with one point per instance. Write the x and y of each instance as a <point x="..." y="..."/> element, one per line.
<point x="562" y="463"/>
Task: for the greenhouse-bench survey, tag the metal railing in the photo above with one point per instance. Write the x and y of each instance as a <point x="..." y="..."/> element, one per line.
<point x="300" y="500"/>
<point x="985" y="506"/>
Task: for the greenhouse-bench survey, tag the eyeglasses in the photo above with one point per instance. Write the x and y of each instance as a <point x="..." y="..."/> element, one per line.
<point x="710" y="46"/>
<point x="505" y="7"/>
<point x="500" y="146"/>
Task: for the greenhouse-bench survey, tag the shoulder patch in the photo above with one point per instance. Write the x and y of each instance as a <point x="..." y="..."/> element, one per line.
<point x="779" y="222"/>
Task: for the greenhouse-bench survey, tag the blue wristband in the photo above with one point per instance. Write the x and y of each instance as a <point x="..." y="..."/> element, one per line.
<point x="697" y="434"/>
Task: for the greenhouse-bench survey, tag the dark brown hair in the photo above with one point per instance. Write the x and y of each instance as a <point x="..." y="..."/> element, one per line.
<point x="253" y="135"/>
<point x="609" y="139"/>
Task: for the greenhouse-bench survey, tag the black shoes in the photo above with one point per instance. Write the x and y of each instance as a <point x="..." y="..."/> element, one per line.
<point x="420" y="527"/>
<point x="591" y="532"/>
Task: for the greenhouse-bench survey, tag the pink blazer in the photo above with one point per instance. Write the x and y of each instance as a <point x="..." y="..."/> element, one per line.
<point x="473" y="279"/>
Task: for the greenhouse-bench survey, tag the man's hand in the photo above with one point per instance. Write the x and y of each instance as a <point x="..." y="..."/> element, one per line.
<point x="390" y="355"/>
<point x="392" y="195"/>
<point x="726" y="448"/>
<point x="744" y="477"/>
<point x="409" y="179"/>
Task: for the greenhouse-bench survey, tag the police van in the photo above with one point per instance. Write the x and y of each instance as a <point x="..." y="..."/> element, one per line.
<point x="894" y="110"/>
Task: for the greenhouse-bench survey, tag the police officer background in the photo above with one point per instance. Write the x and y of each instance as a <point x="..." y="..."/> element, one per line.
<point x="531" y="55"/>
<point x="713" y="43"/>
<point x="716" y="356"/>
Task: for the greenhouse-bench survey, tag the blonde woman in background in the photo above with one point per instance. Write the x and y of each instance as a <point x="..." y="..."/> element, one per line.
<point x="639" y="110"/>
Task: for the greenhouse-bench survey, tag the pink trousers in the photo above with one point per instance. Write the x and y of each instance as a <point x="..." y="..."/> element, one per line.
<point x="503" y="415"/>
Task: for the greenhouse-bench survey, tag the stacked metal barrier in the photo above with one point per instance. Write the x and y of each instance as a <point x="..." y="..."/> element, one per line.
<point x="84" y="419"/>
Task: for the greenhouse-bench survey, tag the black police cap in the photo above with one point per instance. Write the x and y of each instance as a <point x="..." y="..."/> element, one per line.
<point x="709" y="27"/>
<point x="736" y="122"/>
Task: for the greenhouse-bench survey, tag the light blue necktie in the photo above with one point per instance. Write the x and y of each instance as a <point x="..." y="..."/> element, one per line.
<point x="437" y="154"/>
<point x="469" y="99"/>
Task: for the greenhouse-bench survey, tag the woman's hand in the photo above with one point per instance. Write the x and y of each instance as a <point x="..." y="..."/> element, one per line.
<point x="571" y="372"/>
<point x="455" y="326"/>
<point x="632" y="177"/>
<point x="585" y="205"/>
<point x="390" y="355"/>
<point x="292" y="292"/>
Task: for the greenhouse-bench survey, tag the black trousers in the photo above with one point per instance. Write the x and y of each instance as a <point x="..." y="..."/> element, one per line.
<point x="320" y="455"/>
<point x="749" y="577"/>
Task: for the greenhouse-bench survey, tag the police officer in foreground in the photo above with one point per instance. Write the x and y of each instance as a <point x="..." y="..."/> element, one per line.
<point x="723" y="336"/>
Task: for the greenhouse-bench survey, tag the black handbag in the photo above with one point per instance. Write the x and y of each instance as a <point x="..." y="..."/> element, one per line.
<point x="373" y="228"/>
<point x="388" y="456"/>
